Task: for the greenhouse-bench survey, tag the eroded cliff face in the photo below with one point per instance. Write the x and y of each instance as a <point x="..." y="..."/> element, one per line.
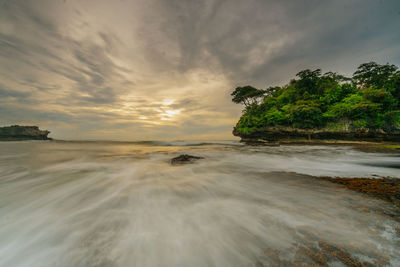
<point x="16" y="132"/>
<point x="273" y="134"/>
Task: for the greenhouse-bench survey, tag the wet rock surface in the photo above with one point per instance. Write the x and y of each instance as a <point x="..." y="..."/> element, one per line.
<point x="322" y="253"/>
<point x="384" y="188"/>
<point x="309" y="249"/>
<point x="184" y="159"/>
<point x="287" y="133"/>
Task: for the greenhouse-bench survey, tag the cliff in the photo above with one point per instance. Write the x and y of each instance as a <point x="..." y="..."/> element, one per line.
<point x="324" y="106"/>
<point x="273" y="134"/>
<point x="16" y="132"/>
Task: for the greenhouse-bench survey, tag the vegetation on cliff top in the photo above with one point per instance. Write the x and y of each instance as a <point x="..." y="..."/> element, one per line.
<point x="369" y="101"/>
<point x="17" y="132"/>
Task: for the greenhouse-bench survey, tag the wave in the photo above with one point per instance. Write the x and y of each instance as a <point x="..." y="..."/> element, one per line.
<point x="124" y="204"/>
<point x="159" y="143"/>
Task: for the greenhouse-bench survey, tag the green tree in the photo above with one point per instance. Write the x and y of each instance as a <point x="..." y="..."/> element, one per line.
<point x="374" y="75"/>
<point x="306" y="114"/>
<point x="308" y="82"/>
<point x="246" y="95"/>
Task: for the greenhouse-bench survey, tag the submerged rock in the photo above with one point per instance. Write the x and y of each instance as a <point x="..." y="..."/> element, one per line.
<point x="323" y="253"/>
<point x="384" y="188"/>
<point x="184" y="159"/>
<point x="16" y="132"/>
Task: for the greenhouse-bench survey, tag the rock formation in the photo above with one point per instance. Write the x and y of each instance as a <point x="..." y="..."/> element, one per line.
<point x="17" y="132"/>
<point x="184" y="159"/>
<point x="277" y="133"/>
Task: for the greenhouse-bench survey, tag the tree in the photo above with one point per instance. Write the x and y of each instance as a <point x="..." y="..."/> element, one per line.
<point x="246" y="95"/>
<point x="308" y="81"/>
<point x="306" y="114"/>
<point x="271" y="91"/>
<point x="394" y="86"/>
<point x="374" y="75"/>
<point x="333" y="76"/>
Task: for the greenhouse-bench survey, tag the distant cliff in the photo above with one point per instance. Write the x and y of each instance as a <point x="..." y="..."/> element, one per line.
<point x="16" y="132"/>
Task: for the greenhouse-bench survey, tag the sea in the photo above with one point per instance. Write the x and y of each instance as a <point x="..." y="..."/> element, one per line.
<point x="98" y="203"/>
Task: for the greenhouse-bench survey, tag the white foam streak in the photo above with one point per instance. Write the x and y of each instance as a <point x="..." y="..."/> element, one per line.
<point x="68" y="204"/>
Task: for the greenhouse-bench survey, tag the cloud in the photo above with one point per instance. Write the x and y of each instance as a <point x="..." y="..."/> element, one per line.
<point x="153" y="69"/>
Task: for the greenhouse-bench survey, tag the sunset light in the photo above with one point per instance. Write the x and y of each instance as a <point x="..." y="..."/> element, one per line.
<point x="199" y="133"/>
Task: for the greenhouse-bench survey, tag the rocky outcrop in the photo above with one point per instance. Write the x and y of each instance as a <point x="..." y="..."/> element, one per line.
<point x="16" y="132"/>
<point x="274" y="134"/>
<point x="184" y="159"/>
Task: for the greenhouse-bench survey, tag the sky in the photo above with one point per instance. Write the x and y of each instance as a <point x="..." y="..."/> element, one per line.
<point x="164" y="69"/>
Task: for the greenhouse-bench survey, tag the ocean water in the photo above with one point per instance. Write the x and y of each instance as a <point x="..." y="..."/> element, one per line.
<point x="123" y="204"/>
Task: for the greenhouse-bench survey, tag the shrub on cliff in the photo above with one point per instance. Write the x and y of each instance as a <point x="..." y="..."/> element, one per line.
<point x="369" y="100"/>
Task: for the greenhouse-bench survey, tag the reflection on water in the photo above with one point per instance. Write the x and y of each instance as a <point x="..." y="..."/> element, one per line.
<point x="123" y="204"/>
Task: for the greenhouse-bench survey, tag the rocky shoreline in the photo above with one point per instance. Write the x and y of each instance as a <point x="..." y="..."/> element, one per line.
<point x="319" y="252"/>
<point x="19" y="133"/>
<point x="278" y="134"/>
<point x="389" y="144"/>
<point x="385" y="188"/>
<point x="315" y="250"/>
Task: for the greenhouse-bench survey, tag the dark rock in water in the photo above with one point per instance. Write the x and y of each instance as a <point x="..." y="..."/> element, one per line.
<point x="16" y="133"/>
<point x="184" y="159"/>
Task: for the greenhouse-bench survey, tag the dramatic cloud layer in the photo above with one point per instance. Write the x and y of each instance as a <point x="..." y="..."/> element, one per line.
<point x="155" y="69"/>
